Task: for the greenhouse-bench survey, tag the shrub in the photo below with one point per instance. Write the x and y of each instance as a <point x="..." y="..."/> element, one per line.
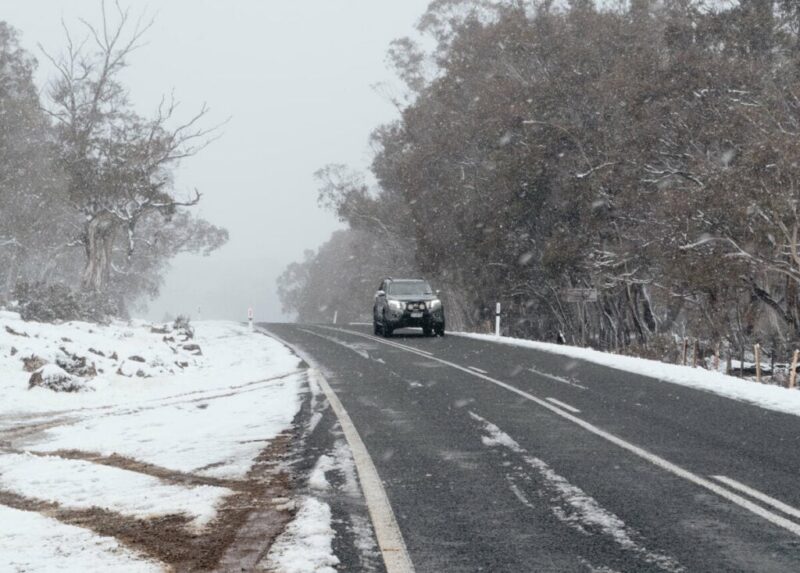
<point x="44" y="302"/>
<point x="182" y="327"/>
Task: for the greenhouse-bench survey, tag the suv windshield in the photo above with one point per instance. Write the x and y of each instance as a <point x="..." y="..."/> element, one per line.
<point x="407" y="288"/>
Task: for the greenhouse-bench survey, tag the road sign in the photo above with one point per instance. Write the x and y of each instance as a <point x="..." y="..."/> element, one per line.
<point x="580" y="294"/>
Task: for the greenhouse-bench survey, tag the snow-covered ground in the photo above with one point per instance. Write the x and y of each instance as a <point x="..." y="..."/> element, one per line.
<point x="150" y="418"/>
<point x="767" y="396"/>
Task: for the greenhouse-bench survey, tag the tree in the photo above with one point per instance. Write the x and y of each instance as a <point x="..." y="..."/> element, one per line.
<point x="119" y="165"/>
<point x="33" y="205"/>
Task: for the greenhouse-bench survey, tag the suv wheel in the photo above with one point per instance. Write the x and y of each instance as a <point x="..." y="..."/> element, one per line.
<point x="427" y="331"/>
<point x="440" y="330"/>
<point x="376" y="329"/>
<point x="385" y="328"/>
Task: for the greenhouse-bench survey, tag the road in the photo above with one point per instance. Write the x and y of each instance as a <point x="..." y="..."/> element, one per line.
<point x="500" y="458"/>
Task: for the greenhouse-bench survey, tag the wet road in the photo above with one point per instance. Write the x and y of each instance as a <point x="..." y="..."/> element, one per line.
<point x="500" y="458"/>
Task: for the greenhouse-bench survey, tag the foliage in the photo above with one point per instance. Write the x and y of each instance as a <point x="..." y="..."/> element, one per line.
<point x="54" y="302"/>
<point x="87" y="201"/>
<point x="647" y="152"/>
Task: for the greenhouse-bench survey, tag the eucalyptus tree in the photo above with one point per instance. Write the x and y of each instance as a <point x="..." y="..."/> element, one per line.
<point x="119" y="164"/>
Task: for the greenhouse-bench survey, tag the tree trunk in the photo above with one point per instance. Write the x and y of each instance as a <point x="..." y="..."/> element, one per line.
<point x="12" y="272"/>
<point x="99" y="242"/>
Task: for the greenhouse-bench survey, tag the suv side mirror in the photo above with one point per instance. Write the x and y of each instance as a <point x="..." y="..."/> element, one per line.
<point x="380" y="293"/>
<point x="438" y="292"/>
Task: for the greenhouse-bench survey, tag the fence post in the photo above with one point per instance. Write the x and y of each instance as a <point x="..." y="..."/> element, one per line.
<point x="497" y="320"/>
<point x="716" y="358"/>
<point x="757" y="349"/>
<point x="250" y="317"/>
<point x="695" y="352"/>
<point x="685" y="347"/>
<point x="793" y="373"/>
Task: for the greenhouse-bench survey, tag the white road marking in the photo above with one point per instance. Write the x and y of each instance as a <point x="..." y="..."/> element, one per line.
<point x="563" y="405"/>
<point x="654" y="459"/>
<point x="383" y="340"/>
<point x="390" y="539"/>
<point x="755" y="494"/>
<point x="477" y="370"/>
<point x="557" y="378"/>
<point x="359" y="351"/>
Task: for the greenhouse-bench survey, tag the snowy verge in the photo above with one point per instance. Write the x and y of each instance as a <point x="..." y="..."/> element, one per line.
<point x="771" y="397"/>
<point x="31" y="542"/>
<point x="306" y="544"/>
<point x="169" y="411"/>
<point x="54" y="479"/>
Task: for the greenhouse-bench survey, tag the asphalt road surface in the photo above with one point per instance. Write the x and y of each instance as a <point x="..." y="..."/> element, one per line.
<point x="499" y="458"/>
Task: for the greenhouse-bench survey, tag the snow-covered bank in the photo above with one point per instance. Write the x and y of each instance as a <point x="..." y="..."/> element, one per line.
<point x="156" y="422"/>
<point x="767" y="396"/>
<point x="33" y="542"/>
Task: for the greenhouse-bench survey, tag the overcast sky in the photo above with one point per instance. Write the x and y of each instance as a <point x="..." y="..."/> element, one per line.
<point x="296" y="79"/>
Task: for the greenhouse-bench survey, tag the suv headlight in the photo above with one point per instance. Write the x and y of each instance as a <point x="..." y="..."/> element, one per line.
<point x="434" y="304"/>
<point x="395" y="305"/>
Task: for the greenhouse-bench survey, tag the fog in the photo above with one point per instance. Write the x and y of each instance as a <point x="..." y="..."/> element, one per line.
<point x="295" y="82"/>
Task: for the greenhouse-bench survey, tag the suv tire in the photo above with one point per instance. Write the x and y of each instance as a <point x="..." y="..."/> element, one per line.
<point x="386" y="330"/>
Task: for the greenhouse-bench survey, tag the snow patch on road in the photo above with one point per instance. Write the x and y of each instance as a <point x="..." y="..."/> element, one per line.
<point x="576" y="508"/>
<point x="766" y="396"/>
<point x="317" y="479"/>
<point x="307" y="543"/>
<point x="33" y="543"/>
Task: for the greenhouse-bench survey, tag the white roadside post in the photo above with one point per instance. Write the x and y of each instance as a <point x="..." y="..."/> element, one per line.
<point x="335" y="316"/>
<point x="250" y="318"/>
<point x="497" y="320"/>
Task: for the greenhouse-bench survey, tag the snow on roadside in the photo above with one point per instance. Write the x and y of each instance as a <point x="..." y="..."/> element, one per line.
<point x="207" y="405"/>
<point x="230" y="355"/>
<point x="766" y="396"/>
<point x="215" y="437"/>
<point x="33" y="543"/>
<point x="54" y="479"/>
<point x="307" y="543"/>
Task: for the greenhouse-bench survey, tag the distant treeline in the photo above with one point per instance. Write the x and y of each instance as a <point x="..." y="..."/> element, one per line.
<point x="87" y="206"/>
<point x="648" y="154"/>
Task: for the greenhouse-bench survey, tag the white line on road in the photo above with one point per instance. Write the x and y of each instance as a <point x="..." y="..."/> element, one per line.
<point x="755" y="494"/>
<point x="477" y="370"/>
<point x="383" y="340"/>
<point x="557" y="378"/>
<point x="564" y="405"/>
<point x="390" y="539"/>
<point x="634" y="449"/>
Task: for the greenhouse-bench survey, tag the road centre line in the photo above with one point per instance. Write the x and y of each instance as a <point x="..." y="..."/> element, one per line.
<point x="556" y="378"/>
<point x="755" y="494"/>
<point x="477" y="370"/>
<point x="383" y="340"/>
<point x="654" y="459"/>
<point x="564" y="405"/>
<point x="387" y="531"/>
